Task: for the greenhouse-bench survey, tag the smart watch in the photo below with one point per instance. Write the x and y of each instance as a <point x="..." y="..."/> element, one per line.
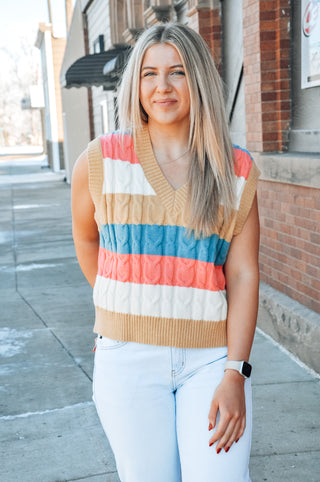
<point x="242" y="367"/>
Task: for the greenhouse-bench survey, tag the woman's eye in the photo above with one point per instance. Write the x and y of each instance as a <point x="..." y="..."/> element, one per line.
<point x="148" y="74"/>
<point x="178" y="72"/>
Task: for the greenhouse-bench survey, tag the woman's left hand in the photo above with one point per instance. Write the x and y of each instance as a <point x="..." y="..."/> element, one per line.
<point x="229" y="401"/>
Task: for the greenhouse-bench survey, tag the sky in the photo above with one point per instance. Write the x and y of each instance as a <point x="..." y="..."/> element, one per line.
<point x="22" y="18"/>
<point x="19" y="19"/>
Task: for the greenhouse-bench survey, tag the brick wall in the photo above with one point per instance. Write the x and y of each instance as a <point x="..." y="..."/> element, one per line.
<point x="207" y="22"/>
<point x="252" y="74"/>
<point x="290" y="240"/>
<point x="266" y="41"/>
<point x="289" y="214"/>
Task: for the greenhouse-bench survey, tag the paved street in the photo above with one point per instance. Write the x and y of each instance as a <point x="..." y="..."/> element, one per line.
<point x="49" y="428"/>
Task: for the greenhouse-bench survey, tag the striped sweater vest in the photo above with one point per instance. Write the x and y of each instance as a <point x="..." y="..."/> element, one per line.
<point x="156" y="283"/>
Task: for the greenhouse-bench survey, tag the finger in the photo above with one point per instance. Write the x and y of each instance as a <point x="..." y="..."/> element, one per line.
<point x="239" y="431"/>
<point x="220" y="430"/>
<point x="223" y="441"/>
<point x="233" y="436"/>
<point x="242" y="428"/>
<point x="213" y="415"/>
<point x="232" y="432"/>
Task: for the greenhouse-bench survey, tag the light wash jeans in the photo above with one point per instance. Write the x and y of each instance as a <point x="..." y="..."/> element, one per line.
<point x="153" y="403"/>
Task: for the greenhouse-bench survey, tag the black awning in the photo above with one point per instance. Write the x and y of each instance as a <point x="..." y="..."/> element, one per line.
<point x="90" y="69"/>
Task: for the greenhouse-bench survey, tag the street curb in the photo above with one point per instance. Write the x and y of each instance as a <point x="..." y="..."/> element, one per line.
<point x="291" y="324"/>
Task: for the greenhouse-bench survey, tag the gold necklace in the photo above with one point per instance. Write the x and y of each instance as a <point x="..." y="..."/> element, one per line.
<point x="176" y="159"/>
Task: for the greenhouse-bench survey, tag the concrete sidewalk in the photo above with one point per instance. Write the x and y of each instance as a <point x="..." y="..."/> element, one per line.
<point x="49" y="428"/>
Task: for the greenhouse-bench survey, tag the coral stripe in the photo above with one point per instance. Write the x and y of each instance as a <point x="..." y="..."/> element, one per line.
<point x="243" y="163"/>
<point x="113" y="148"/>
<point x="160" y="270"/>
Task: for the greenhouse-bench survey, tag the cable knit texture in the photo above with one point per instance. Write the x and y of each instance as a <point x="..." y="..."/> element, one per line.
<point x="157" y="284"/>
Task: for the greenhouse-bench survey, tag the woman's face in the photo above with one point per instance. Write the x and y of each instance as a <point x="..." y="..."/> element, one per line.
<point x="164" y="92"/>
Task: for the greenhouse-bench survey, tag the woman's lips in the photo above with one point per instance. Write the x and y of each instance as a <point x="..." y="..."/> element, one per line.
<point x="165" y="102"/>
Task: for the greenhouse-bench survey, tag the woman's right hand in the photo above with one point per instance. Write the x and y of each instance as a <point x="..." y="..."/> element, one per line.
<point x="229" y="402"/>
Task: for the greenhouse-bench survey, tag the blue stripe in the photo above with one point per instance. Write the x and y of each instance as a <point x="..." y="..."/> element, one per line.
<point x="163" y="241"/>
<point x="235" y="146"/>
<point x="118" y="131"/>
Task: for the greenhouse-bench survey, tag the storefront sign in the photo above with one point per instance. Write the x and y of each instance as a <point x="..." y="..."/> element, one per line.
<point x="310" y="43"/>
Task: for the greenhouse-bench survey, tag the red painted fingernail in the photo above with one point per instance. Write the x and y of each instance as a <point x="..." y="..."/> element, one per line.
<point x="210" y="427"/>
<point x="237" y="440"/>
<point x="218" y="451"/>
<point x="210" y="444"/>
<point x="227" y="449"/>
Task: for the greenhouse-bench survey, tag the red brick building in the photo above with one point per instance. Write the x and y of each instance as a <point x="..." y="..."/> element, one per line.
<point x="276" y="110"/>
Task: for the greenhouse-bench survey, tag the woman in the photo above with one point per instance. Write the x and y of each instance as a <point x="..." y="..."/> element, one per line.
<point x="166" y="230"/>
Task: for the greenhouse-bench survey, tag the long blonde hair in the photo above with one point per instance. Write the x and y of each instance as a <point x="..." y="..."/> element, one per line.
<point x="211" y="171"/>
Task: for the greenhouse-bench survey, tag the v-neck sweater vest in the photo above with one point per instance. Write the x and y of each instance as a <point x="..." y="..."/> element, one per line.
<point x="157" y="284"/>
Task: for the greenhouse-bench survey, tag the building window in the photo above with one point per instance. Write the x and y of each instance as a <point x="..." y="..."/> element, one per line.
<point x="98" y="45"/>
<point x="104" y="116"/>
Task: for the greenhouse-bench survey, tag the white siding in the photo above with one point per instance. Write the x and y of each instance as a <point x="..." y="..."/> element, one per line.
<point x="74" y="101"/>
<point x="99" y="24"/>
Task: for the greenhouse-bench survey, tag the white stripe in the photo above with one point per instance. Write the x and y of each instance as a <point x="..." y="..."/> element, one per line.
<point x="160" y="300"/>
<point x="240" y="184"/>
<point x="124" y="177"/>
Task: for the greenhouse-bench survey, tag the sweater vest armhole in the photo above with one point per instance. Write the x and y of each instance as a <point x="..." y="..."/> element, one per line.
<point x="247" y="198"/>
<point x="96" y="179"/>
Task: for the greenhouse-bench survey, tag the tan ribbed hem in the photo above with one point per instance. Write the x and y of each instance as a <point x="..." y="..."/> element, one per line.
<point x="150" y="330"/>
<point x="247" y="198"/>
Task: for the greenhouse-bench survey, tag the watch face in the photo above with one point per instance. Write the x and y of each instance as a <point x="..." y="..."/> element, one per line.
<point x="246" y="369"/>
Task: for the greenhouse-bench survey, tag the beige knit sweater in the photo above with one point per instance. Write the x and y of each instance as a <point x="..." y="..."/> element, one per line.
<point x="156" y="284"/>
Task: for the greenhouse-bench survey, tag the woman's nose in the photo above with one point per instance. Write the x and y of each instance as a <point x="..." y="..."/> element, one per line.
<point x="163" y="83"/>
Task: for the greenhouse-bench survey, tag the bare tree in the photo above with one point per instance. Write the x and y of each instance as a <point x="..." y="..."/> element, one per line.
<point x="19" y="70"/>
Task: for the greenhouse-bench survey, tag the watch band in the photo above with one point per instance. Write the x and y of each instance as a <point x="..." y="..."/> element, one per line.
<point x="242" y="367"/>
